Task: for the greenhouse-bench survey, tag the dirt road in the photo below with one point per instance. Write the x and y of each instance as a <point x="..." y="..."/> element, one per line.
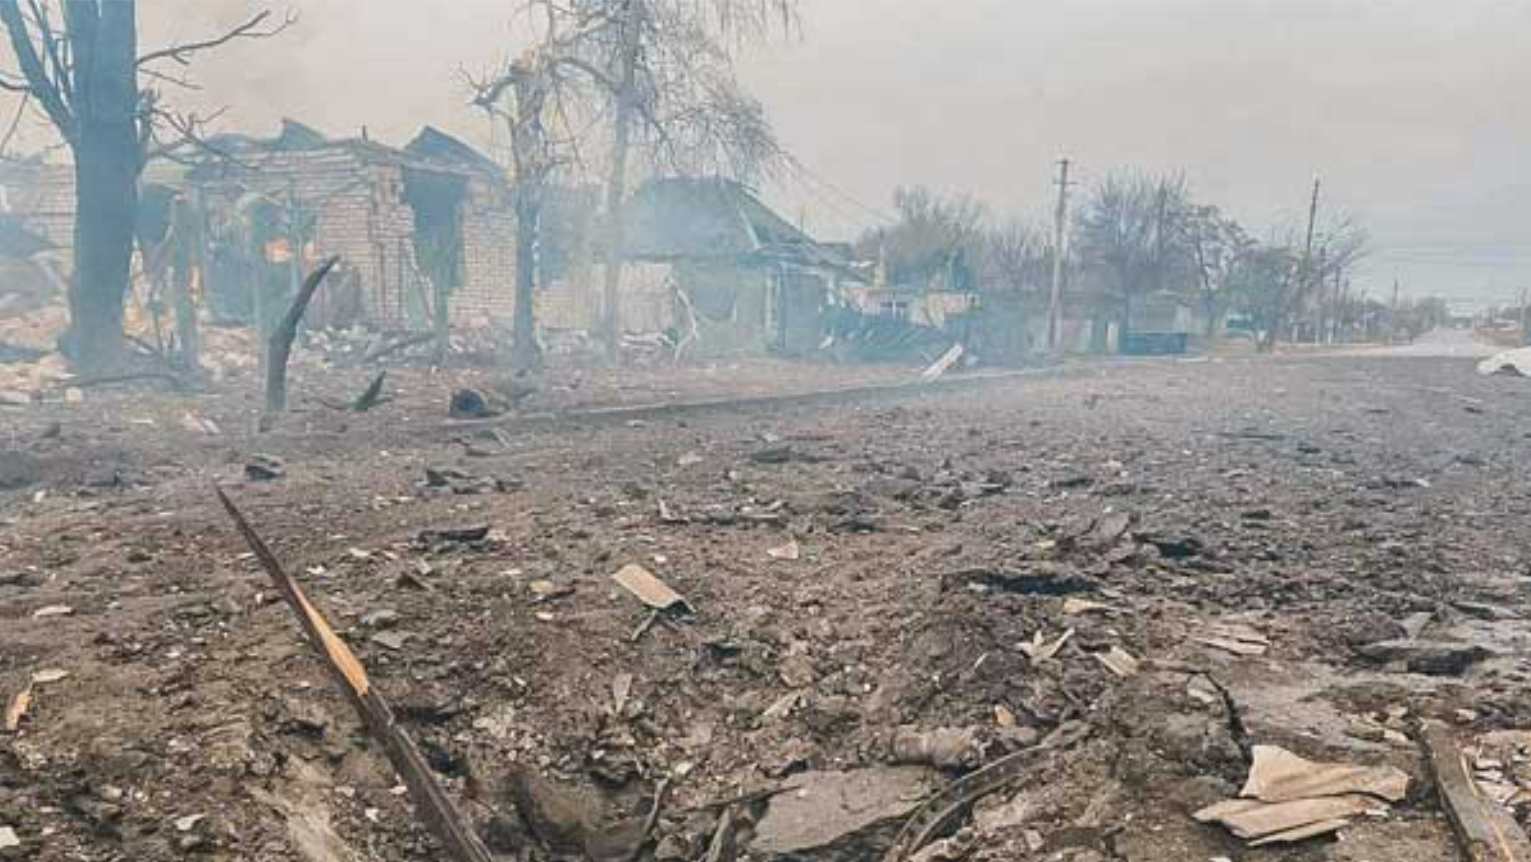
<point x="854" y="568"/>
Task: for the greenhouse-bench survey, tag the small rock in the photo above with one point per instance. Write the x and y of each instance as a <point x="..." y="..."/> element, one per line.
<point x="21" y="580"/>
<point x="381" y="618"/>
<point x="18" y="469"/>
<point x="9" y="838"/>
<point x="189" y="822"/>
<point x="47" y="611"/>
<point x="264" y="468"/>
<point x="1435" y="658"/>
<point x="821" y="809"/>
<point x="395" y="641"/>
<point x="797" y="671"/>
<point x="470" y="404"/>
<point x="944" y="748"/>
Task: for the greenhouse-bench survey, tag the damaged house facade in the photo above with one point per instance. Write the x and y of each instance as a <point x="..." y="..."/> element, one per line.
<point x="717" y="270"/>
<point x="708" y="265"/>
<point x="403" y="221"/>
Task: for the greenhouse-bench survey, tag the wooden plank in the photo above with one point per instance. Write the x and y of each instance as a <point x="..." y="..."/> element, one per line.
<point x="432" y="804"/>
<point x="1486" y="832"/>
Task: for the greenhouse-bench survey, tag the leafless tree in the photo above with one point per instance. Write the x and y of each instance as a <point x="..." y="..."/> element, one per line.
<point x="524" y="95"/>
<point x="79" y="60"/>
<point x="1219" y="248"/>
<point x="1338" y="247"/>
<point x="934" y="233"/>
<point x="1131" y="233"/>
<point x="664" y="69"/>
<point x="1016" y="258"/>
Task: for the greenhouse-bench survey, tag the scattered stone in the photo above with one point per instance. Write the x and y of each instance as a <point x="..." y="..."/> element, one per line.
<point x="1173" y="547"/>
<point x="20" y="580"/>
<point x="453" y="535"/>
<point x="19" y="469"/>
<point x="264" y="468"/>
<point x="382" y="618"/>
<point x="789" y="552"/>
<point x="8" y="838"/>
<point x="470" y="404"/>
<point x="943" y="748"/>
<point x="47" y="611"/>
<point x="773" y="455"/>
<point x="189" y="822"/>
<point x="392" y="640"/>
<point x="821" y="810"/>
<point x="1434" y="658"/>
<point x="1033" y="583"/>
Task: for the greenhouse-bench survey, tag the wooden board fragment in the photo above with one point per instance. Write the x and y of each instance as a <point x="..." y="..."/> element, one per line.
<point x="1486" y="832"/>
<point x="1278" y="775"/>
<point x="436" y="811"/>
<point x="650" y="590"/>
<point x="1322" y="827"/>
<point x="1249" y="818"/>
<point x="17" y="710"/>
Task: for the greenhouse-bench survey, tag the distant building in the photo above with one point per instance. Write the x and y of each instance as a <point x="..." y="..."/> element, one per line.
<point x="713" y="266"/>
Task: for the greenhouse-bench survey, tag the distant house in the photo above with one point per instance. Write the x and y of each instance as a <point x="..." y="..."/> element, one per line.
<point x="927" y="292"/>
<point x="711" y="264"/>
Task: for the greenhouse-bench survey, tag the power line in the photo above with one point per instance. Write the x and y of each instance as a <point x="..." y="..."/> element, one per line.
<point x="805" y="173"/>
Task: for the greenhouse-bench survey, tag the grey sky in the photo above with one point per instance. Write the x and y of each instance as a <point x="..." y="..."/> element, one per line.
<point x="1413" y="113"/>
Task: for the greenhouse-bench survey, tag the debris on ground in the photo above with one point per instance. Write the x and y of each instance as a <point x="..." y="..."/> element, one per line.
<point x="1235" y="638"/>
<point x="264" y="468"/>
<point x="1486" y="830"/>
<point x="789" y="551"/>
<point x="1515" y="362"/>
<point x="1287" y="798"/>
<point x="970" y="579"/>
<point x="1039" y="648"/>
<point x="819" y="811"/>
<point x="943" y="364"/>
<point x="1118" y="661"/>
<point x="470" y="404"/>
<point x="943" y="748"/>
<point x="1436" y="658"/>
<point x="16" y="710"/>
<point x="650" y="590"/>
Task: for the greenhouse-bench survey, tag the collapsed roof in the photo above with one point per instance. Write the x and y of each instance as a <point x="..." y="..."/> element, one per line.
<point x="700" y="218"/>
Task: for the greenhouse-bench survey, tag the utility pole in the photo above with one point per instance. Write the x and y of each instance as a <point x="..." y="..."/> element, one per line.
<point x="1525" y="320"/>
<point x="1307" y="248"/>
<point x="1060" y="233"/>
<point x="1392" y="323"/>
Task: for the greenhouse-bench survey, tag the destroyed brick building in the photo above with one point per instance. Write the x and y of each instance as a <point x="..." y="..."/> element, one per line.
<point x="403" y="220"/>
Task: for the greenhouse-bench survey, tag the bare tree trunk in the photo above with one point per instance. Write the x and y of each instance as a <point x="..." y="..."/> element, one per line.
<point x="280" y="345"/>
<point x="616" y="188"/>
<point x="186" y="260"/>
<point x="107" y="157"/>
<point x="525" y="353"/>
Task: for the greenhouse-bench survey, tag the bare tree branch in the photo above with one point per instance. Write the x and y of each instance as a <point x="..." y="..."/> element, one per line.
<point x="250" y="29"/>
<point x="48" y="92"/>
